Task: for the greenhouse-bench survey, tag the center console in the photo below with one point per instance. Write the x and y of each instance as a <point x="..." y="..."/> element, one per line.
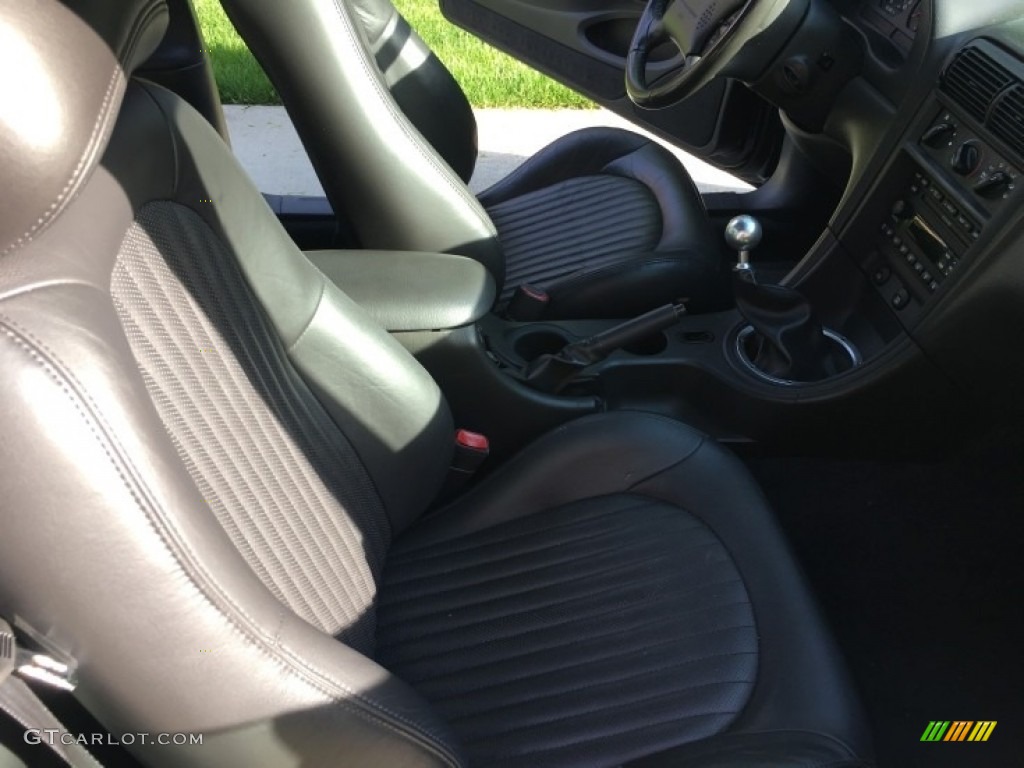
<point x="952" y="176"/>
<point x="872" y="288"/>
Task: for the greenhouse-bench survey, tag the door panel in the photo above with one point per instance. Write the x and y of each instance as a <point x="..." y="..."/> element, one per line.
<point x="583" y="44"/>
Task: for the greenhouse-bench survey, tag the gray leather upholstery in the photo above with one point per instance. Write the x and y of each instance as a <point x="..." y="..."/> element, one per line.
<point x="393" y="140"/>
<point x="408" y="291"/>
<point x="421" y="85"/>
<point x="364" y="148"/>
<point x="44" y="150"/>
<point x="218" y="474"/>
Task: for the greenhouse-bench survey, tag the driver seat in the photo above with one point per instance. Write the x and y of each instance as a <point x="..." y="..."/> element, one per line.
<point x="605" y="220"/>
<point x="219" y="478"/>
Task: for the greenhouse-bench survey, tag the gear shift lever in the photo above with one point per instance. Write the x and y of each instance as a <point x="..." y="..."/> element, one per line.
<point x="743" y="234"/>
<point x="788" y="342"/>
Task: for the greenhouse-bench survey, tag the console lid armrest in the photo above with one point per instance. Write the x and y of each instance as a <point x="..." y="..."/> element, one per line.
<point x="409" y="290"/>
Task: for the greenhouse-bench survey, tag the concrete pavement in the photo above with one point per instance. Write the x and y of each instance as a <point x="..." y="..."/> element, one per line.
<point x="266" y="144"/>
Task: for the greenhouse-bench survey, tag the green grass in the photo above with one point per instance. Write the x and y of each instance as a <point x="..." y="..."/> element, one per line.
<point x="489" y="77"/>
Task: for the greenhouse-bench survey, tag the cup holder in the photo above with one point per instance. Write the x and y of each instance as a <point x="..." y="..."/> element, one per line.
<point x="842" y="347"/>
<point x="535" y="343"/>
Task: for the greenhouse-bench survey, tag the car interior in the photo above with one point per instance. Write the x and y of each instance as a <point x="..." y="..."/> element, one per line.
<point x="590" y="469"/>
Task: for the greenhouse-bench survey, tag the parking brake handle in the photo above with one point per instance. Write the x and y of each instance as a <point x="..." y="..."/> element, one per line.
<point x="552" y="372"/>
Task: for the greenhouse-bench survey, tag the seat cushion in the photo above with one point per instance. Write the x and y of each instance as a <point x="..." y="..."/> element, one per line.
<point x="578" y="636"/>
<point x="583" y="223"/>
<point x="604" y="216"/>
<point x="618" y="592"/>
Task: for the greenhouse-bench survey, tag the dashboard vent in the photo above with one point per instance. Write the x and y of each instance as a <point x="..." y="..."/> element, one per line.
<point x="974" y="79"/>
<point x="1007" y="121"/>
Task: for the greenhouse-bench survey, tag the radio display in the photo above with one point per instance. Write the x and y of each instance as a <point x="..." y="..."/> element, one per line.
<point x="933" y="246"/>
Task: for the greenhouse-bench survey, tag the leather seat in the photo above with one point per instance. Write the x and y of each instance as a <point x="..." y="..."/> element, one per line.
<point x="605" y="220"/>
<point x="219" y="476"/>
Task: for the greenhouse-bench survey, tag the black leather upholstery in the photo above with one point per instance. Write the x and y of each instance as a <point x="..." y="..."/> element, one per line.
<point x="393" y="139"/>
<point x="604" y="222"/>
<point x="579" y="635"/>
<point x="217" y="473"/>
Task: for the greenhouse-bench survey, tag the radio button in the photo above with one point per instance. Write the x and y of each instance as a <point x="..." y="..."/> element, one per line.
<point x="927" y="277"/>
<point x="901" y="210"/>
<point x="900" y="299"/>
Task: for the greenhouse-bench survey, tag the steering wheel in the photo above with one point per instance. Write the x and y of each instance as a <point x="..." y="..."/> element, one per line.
<point x="709" y="33"/>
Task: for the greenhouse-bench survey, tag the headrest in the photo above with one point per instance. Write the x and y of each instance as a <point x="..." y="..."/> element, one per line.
<point x="63" y="71"/>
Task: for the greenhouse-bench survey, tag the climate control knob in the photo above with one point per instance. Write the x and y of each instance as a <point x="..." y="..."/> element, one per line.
<point x="994" y="185"/>
<point x="939" y="135"/>
<point x="966" y="158"/>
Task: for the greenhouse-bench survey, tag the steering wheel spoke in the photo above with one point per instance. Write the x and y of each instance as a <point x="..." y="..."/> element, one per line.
<point x="690" y="25"/>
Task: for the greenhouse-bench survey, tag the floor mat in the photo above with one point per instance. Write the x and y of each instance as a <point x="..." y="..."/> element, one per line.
<point x="920" y="569"/>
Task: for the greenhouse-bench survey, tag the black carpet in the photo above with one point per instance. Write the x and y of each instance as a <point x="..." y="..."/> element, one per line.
<point x="920" y="570"/>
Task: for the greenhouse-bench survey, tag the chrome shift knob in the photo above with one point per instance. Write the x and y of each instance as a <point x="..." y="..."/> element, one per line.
<point x="743" y="234"/>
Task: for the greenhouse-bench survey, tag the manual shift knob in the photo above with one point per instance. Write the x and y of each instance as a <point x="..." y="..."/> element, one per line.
<point x="743" y="234"/>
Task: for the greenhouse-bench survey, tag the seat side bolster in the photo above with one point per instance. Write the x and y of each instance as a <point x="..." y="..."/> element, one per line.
<point x="374" y="164"/>
<point x="684" y="220"/>
<point x="585" y="152"/>
<point x="126" y="534"/>
<point x="327" y="335"/>
<point x="802" y="683"/>
<point x="588" y="457"/>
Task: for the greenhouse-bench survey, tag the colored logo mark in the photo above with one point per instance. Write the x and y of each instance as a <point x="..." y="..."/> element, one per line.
<point x="959" y="730"/>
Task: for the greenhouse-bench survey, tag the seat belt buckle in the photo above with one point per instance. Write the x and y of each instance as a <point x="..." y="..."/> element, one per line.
<point x="49" y="666"/>
<point x="471" y="451"/>
<point x="528" y="304"/>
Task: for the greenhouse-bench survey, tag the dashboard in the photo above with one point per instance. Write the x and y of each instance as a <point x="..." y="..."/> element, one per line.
<point x="931" y="218"/>
<point x="896" y="22"/>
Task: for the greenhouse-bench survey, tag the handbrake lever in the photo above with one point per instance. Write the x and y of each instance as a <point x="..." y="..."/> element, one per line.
<point x="552" y="372"/>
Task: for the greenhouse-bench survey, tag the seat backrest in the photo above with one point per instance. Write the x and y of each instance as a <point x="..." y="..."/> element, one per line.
<point x="421" y="84"/>
<point x="372" y="160"/>
<point x="207" y="447"/>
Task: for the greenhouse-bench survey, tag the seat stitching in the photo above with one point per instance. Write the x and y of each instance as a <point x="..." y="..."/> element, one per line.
<point x="531" y="569"/>
<point x="464" y="627"/>
<point x="573" y="620"/>
<point x="598" y="659"/>
<point x="643" y="502"/>
<point x="619" y="703"/>
<point x="190" y="565"/>
<point x="565" y="537"/>
<point x="582" y="578"/>
<point x="98" y="128"/>
<point x="634" y="627"/>
<point x="605" y="735"/>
